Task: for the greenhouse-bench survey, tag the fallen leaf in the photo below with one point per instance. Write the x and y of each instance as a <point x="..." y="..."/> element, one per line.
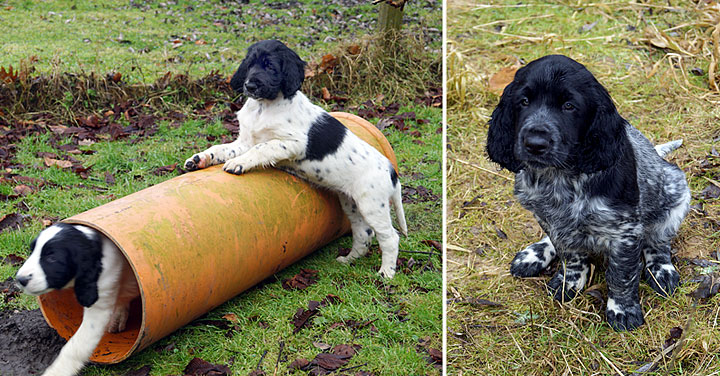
<point x="199" y="367"/>
<point x="164" y="169"/>
<point x="321" y="345"/>
<point x="302" y="280"/>
<point x="12" y="221"/>
<point x="353" y="49"/>
<point x="433" y="243"/>
<point x="710" y="192"/>
<point x="327" y="361"/>
<point x="22" y="190"/>
<point x="709" y="286"/>
<point x="56" y="162"/>
<point x="345" y="351"/>
<point x="327" y="64"/>
<point x="675" y="334"/>
<point x="435" y="355"/>
<point x="13" y="260"/>
<point x="298" y="364"/>
<point x="502" y="78"/>
<point x="257" y="372"/>
<point x="231" y="317"/>
<point x="325" y="94"/>
<point x="302" y="316"/>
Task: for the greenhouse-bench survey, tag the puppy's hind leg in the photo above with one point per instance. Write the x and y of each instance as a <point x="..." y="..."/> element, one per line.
<point x="362" y="233"/>
<point x="376" y="213"/>
<point x="533" y="259"/>
<point x="660" y="273"/>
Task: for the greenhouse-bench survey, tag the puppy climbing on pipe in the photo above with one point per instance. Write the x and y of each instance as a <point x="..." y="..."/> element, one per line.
<point x="279" y="126"/>
<point x="74" y="256"/>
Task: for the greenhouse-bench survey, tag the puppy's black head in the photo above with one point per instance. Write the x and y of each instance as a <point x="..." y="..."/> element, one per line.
<point x="60" y="254"/>
<point x="269" y="68"/>
<point x="555" y="114"/>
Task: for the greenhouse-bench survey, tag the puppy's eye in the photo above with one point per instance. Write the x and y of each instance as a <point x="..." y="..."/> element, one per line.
<point x="51" y="259"/>
<point x="568" y="106"/>
<point x="525" y="102"/>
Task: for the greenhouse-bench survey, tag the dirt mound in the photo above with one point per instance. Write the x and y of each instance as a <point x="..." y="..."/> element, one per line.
<point x="27" y="344"/>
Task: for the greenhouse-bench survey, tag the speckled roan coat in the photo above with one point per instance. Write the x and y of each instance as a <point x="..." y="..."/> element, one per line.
<point x="595" y="184"/>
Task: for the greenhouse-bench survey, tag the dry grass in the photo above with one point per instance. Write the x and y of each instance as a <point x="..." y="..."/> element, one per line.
<point x="530" y="334"/>
<point x="409" y="62"/>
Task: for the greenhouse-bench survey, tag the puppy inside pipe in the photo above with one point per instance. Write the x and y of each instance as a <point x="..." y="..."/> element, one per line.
<point x="199" y="239"/>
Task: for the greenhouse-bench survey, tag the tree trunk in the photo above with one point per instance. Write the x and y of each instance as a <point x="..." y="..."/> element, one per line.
<point x="389" y="18"/>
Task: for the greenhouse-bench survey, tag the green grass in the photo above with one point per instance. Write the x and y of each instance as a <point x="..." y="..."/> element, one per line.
<point x="144" y="39"/>
<point x="530" y="334"/>
<point x="389" y="351"/>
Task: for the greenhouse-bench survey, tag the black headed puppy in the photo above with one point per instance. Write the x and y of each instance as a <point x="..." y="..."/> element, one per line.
<point x="595" y="184"/>
<point x="280" y="127"/>
<point x="78" y="257"/>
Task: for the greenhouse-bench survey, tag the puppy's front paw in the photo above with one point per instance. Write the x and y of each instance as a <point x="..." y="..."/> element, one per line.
<point x="532" y="260"/>
<point x="343" y="260"/>
<point x="663" y="278"/>
<point x="387" y="272"/>
<point x="197" y="162"/>
<point x="624" y="316"/>
<point x="233" y="166"/>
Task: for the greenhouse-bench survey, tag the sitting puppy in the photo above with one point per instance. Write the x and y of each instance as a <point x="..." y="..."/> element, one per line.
<point x="76" y="256"/>
<point x="595" y="184"/>
<point x="279" y="126"/>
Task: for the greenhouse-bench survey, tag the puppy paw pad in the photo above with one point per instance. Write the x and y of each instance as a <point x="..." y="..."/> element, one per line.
<point x="663" y="278"/>
<point x="621" y="317"/>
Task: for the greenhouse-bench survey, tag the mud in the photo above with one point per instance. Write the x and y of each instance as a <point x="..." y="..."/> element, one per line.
<point x="27" y="344"/>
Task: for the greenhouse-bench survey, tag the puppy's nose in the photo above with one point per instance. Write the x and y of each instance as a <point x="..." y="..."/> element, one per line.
<point x="537" y="144"/>
<point x="23" y="280"/>
<point x="250" y="86"/>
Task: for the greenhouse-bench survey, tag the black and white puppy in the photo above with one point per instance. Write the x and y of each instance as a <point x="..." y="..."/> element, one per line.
<point x="73" y="256"/>
<point x="280" y="127"/>
<point x="595" y="184"/>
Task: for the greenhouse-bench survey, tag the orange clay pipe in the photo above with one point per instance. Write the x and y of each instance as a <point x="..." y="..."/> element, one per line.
<point x="198" y="240"/>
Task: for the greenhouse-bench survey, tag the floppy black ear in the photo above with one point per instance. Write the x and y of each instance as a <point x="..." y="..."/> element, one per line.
<point x="87" y="256"/>
<point x="293" y="70"/>
<point x="501" y="134"/>
<point x="237" y="82"/>
<point x="604" y="140"/>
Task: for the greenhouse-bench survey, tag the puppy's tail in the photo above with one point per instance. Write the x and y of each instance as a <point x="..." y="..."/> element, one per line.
<point x="666" y="148"/>
<point x="399" y="211"/>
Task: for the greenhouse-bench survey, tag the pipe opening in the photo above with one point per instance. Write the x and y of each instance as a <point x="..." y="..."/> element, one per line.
<point x="64" y="314"/>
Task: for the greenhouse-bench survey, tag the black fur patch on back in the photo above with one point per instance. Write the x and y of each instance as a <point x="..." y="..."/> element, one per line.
<point x="325" y="136"/>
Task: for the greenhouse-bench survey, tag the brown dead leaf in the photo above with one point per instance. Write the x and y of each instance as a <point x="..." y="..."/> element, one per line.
<point x="199" y="367"/>
<point x="353" y="49"/>
<point x="57" y="163"/>
<point x="12" y="259"/>
<point x="328" y="63"/>
<point x="298" y="364"/>
<point x="502" y="78"/>
<point x="22" y="190"/>
<point x="231" y="317"/>
<point x="302" y="280"/>
<point x="12" y="221"/>
<point x="325" y="94"/>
